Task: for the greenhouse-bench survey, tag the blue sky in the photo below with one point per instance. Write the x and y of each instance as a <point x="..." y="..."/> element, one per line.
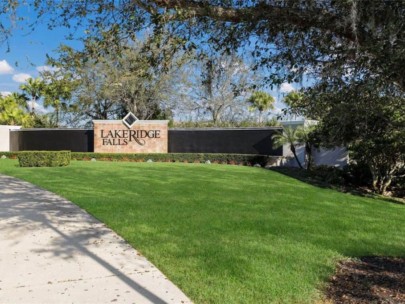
<point x="26" y="50"/>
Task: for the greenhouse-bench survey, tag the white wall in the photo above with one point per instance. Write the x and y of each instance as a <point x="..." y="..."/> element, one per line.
<point x="289" y="159"/>
<point x="5" y="137"/>
<point x="337" y="157"/>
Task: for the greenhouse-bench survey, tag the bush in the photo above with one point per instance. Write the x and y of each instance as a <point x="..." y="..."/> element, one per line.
<point x="44" y="158"/>
<point x="358" y="174"/>
<point x="233" y="159"/>
<point x="11" y="155"/>
<point x="329" y="174"/>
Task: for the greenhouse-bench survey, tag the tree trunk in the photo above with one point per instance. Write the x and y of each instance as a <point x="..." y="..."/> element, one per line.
<point x="292" y="148"/>
<point x="308" y="156"/>
<point x="381" y="181"/>
<point x="375" y="177"/>
<point x="385" y="185"/>
<point x="33" y="105"/>
<point x="57" y="116"/>
<point x="216" y="116"/>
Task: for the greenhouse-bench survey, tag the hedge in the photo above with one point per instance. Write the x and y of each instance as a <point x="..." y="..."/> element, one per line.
<point x="44" y="158"/>
<point x="221" y="158"/>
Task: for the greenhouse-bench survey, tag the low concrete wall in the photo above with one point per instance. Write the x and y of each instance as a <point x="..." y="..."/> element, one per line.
<point x="336" y="157"/>
<point x="5" y="137"/>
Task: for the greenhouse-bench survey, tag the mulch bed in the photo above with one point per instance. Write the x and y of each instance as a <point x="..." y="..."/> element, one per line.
<point x="368" y="280"/>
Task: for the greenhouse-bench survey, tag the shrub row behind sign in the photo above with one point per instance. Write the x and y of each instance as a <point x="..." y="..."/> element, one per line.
<point x="43" y="157"/>
<point x="221" y="158"/>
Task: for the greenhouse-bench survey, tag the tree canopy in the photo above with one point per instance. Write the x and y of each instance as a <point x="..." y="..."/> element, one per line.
<point x="290" y="37"/>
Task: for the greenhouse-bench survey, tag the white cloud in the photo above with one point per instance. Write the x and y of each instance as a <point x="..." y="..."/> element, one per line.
<point x="38" y="108"/>
<point x="286" y="87"/>
<point x="277" y="110"/>
<point x="21" y="77"/>
<point x="46" y="68"/>
<point x="5" y="93"/>
<point x="5" y="68"/>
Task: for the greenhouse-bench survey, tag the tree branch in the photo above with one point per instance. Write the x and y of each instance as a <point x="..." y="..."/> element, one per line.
<point x="272" y="13"/>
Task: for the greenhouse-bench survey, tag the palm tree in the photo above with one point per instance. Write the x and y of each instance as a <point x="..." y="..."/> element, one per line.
<point x="33" y="88"/>
<point x="261" y="101"/>
<point x="21" y="99"/>
<point x="304" y="136"/>
<point x="294" y="101"/>
<point x="289" y="136"/>
<point x="294" y="136"/>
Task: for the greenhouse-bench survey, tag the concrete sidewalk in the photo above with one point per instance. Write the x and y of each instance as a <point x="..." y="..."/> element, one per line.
<point x="51" y="251"/>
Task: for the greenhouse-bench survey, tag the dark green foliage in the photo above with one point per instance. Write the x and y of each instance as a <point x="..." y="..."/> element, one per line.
<point x="12" y="155"/>
<point x="245" y="123"/>
<point x="44" y="158"/>
<point x="234" y="159"/>
<point x="358" y="174"/>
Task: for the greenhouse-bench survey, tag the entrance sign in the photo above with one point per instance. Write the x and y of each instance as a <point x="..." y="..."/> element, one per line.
<point x="130" y="135"/>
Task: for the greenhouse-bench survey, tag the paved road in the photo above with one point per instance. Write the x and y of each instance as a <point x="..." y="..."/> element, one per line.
<point x="51" y="251"/>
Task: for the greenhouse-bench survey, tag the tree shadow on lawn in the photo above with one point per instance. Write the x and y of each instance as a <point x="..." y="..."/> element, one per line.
<point x="310" y="178"/>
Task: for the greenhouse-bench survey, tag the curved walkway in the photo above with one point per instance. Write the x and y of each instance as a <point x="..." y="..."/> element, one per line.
<point x="51" y="251"/>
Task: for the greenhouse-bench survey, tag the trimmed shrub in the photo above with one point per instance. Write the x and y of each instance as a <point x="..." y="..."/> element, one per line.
<point x="44" y="158"/>
<point x="220" y="158"/>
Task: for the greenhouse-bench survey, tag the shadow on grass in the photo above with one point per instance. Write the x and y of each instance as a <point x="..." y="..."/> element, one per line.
<point x="312" y="179"/>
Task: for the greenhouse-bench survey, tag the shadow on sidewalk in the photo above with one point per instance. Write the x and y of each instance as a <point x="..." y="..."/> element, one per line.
<point x="25" y="207"/>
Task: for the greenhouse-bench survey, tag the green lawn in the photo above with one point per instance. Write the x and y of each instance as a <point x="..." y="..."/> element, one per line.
<point x="229" y="234"/>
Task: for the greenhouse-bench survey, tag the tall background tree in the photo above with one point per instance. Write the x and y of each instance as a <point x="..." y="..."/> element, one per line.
<point x="57" y="91"/>
<point x="34" y="89"/>
<point x="109" y="85"/>
<point x="215" y="88"/>
<point x="262" y="102"/>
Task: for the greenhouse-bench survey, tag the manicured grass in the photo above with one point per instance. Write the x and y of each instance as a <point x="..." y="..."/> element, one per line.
<point x="229" y="234"/>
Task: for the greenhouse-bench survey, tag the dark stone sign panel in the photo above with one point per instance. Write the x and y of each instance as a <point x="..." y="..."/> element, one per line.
<point x="75" y="140"/>
<point x="232" y="140"/>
